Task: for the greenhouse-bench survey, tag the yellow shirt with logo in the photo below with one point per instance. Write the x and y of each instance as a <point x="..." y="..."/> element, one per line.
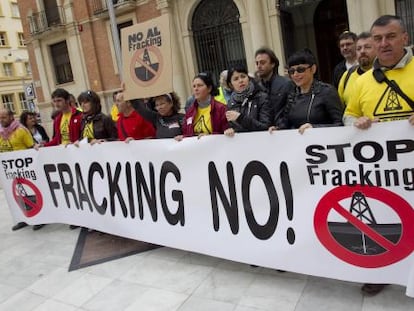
<point x="20" y="139"/>
<point x="202" y="121"/>
<point x="377" y="100"/>
<point x="114" y="113"/>
<point x="64" y="128"/>
<point x="88" y="131"/>
<point x="345" y="91"/>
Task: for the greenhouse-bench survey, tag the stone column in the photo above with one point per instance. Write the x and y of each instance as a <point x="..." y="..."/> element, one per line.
<point x="179" y="79"/>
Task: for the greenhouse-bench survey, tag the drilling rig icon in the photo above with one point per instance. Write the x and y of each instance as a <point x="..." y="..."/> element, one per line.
<point x="356" y="240"/>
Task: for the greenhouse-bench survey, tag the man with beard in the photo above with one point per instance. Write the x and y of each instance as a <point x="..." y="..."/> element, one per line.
<point x="365" y="55"/>
<point x="277" y="87"/>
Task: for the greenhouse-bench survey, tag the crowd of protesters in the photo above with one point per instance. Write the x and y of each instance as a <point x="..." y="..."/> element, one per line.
<point x="375" y="63"/>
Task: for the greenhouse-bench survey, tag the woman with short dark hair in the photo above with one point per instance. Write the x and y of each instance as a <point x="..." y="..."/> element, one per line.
<point x="248" y="108"/>
<point x="205" y="115"/>
<point x="166" y="118"/>
<point x="313" y="103"/>
<point x="96" y="126"/>
<point x="29" y="120"/>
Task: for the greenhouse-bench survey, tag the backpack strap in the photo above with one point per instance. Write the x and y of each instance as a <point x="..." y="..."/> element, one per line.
<point x="348" y="74"/>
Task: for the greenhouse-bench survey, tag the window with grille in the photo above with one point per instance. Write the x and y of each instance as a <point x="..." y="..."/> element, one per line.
<point x="3" y="39"/>
<point x="61" y="62"/>
<point x="21" y="39"/>
<point x="7" y="100"/>
<point x="218" y="37"/>
<point x="27" y="68"/>
<point x="15" y="9"/>
<point x="8" y="69"/>
<point x="24" y="103"/>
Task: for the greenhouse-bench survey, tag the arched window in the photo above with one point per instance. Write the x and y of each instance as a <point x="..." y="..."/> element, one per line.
<point x="217" y="36"/>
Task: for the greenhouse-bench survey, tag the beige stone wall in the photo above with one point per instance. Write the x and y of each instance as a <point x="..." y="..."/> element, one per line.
<point x="12" y="53"/>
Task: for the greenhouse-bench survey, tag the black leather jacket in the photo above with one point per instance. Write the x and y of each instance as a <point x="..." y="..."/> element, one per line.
<point x="320" y="107"/>
<point x="103" y="127"/>
<point x="255" y="111"/>
<point x="278" y="88"/>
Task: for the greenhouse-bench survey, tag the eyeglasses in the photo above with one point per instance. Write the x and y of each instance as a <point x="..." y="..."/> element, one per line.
<point x="299" y="69"/>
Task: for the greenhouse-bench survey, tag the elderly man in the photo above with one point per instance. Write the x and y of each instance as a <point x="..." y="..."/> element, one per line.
<point x="373" y="99"/>
<point x="386" y="92"/>
<point x="14" y="136"/>
<point x="365" y="54"/>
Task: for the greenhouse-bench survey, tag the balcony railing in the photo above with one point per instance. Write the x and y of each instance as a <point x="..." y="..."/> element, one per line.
<point x="100" y="6"/>
<point x="42" y="21"/>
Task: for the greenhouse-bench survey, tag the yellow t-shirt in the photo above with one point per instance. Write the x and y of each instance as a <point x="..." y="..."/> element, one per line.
<point x="88" y="131"/>
<point x="377" y="100"/>
<point x="20" y="139"/>
<point x="64" y="128"/>
<point x="114" y="113"/>
<point x="202" y="121"/>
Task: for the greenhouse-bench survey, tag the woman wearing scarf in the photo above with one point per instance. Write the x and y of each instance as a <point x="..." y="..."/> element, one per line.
<point x="96" y="126"/>
<point x="248" y="109"/>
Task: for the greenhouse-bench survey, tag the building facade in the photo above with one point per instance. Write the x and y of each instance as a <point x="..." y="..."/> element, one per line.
<point x="15" y="73"/>
<point x="71" y="45"/>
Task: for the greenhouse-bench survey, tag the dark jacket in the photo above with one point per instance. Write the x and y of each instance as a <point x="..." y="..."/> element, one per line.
<point x="254" y="108"/>
<point x="42" y="132"/>
<point x="320" y="107"/>
<point x="218" y="118"/>
<point x="278" y="88"/>
<point x="103" y="126"/>
<point x="165" y="127"/>
<point x="338" y="71"/>
<point x="74" y="128"/>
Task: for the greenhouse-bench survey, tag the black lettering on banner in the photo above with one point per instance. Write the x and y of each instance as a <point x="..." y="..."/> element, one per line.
<point x="53" y="185"/>
<point x="312" y="151"/>
<point x="96" y="168"/>
<point x="393" y="150"/>
<point x="83" y="195"/>
<point x="378" y="152"/>
<point x="262" y="232"/>
<point x="113" y="184"/>
<point x="339" y="151"/>
<point x="67" y="186"/>
<point x="142" y="185"/>
<point x="130" y="192"/>
<point x="230" y="207"/>
<point x="170" y="168"/>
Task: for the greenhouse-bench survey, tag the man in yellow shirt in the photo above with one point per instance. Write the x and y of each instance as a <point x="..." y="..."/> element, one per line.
<point x="13" y="137"/>
<point x="372" y="101"/>
<point x="375" y="101"/>
<point x="365" y="55"/>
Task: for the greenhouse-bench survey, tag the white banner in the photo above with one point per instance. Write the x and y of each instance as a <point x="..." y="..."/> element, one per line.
<point x="333" y="202"/>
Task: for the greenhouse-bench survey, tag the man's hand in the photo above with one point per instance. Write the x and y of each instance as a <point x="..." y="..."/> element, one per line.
<point x="364" y="123"/>
<point x="411" y="120"/>
<point x="229" y="132"/>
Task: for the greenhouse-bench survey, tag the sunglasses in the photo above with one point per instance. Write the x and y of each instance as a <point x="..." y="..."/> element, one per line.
<point x="299" y="69"/>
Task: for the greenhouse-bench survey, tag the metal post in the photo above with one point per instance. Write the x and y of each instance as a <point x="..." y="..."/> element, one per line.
<point x="115" y="36"/>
